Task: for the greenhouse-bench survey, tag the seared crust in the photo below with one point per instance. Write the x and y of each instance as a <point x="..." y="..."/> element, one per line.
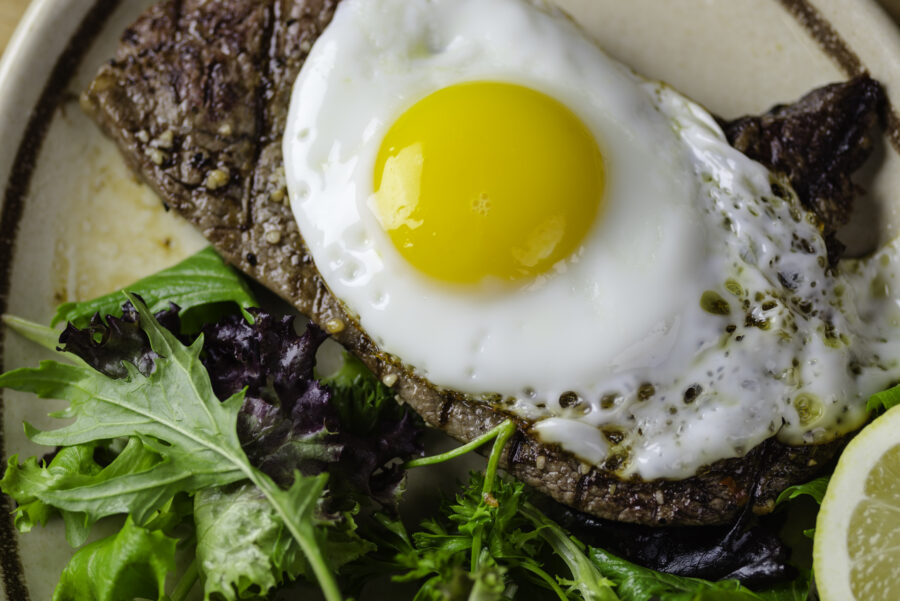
<point x="197" y="98"/>
<point x="817" y="142"/>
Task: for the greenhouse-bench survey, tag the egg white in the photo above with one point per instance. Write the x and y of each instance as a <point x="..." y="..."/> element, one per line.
<point x="620" y="323"/>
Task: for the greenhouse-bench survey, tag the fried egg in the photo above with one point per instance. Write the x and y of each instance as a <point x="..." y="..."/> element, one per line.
<point x="515" y="216"/>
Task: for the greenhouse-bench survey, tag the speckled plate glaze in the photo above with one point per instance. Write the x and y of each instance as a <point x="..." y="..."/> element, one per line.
<point x="74" y="223"/>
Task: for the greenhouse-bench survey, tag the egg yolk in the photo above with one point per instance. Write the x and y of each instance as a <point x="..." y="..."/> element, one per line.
<point x="487" y="179"/>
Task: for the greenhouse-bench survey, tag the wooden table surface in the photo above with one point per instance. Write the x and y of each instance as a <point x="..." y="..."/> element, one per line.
<point x="11" y="11"/>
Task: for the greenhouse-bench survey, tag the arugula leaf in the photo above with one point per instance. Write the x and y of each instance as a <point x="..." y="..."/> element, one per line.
<point x="202" y="279"/>
<point x="30" y="485"/>
<point x="172" y="412"/>
<point x="35" y="332"/>
<point x="297" y="508"/>
<point x="884" y="400"/>
<point x="131" y="564"/>
<point x="814" y="488"/>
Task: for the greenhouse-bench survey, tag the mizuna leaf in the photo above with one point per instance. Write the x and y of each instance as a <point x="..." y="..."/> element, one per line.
<point x="172" y="411"/>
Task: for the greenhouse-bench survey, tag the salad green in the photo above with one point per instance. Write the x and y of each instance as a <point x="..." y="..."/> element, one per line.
<point x="223" y="451"/>
<point x="197" y="285"/>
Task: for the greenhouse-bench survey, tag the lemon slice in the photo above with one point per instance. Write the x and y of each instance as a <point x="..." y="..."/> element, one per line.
<point x="856" y="553"/>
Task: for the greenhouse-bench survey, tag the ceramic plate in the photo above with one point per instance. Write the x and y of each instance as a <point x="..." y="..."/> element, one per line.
<point x="74" y="223"/>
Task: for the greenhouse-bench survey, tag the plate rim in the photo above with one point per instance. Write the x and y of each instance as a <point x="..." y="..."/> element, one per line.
<point x="28" y="131"/>
<point x="25" y="46"/>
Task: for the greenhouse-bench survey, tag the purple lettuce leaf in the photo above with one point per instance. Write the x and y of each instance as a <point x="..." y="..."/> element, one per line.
<point x="106" y="343"/>
<point x="351" y="426"/>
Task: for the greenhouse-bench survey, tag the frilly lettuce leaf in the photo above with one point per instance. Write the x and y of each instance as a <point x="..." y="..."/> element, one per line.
<point x="349" y="425"/>
<point x="27" y="483"/>
<point x="375" y="431"/>
<point x="244" y="549"/>
<point x="107" y="344"/>
<point x="131" y="564"/>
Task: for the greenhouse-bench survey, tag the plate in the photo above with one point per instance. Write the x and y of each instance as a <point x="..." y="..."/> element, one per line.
<point x="74" y="223"/>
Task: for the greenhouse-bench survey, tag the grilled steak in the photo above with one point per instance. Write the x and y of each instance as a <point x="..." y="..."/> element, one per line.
<point x="817" y="142"/>
<point x="197" y="99"/>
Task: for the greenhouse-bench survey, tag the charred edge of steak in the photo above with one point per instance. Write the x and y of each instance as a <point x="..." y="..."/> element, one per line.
<point x="197" y="98"/>
<point x="818" y="142"/>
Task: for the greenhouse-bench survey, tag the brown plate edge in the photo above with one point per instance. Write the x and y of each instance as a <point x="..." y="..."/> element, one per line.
<point x="834" y="46"/>
<point x="15" y="194"/>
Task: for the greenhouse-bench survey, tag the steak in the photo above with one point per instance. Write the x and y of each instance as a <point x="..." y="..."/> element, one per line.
<point x="817" y="142"/>
<point x="197" y="99"/>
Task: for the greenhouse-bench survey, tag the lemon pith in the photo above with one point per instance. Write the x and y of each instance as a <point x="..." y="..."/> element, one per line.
<point x="856" y="553"/>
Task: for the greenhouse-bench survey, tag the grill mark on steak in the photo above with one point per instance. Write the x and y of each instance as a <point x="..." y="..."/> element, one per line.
<point x="268" y="40"/>
<point x="445" y="412"/>
<point x="584" y="486"/>
<point x="513" y="447"/>
<point x="153" y="86"/>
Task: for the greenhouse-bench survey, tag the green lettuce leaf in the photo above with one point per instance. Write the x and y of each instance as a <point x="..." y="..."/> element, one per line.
<point x="203" y="279"/>
<point x="26" y="483"/>
<point x="884" y="400"/>
<point x="131" y="564"/>
<point x="243" y="549"/>
<point x="634" y="583"/>
<point x="188" y="439"/>
<point x="814" y="488"/>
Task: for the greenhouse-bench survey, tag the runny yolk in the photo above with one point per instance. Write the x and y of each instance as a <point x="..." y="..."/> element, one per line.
<point x="487" y="180"/>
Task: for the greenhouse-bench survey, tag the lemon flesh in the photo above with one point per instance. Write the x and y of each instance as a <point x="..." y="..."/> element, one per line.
<point x="856" y="553"/>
